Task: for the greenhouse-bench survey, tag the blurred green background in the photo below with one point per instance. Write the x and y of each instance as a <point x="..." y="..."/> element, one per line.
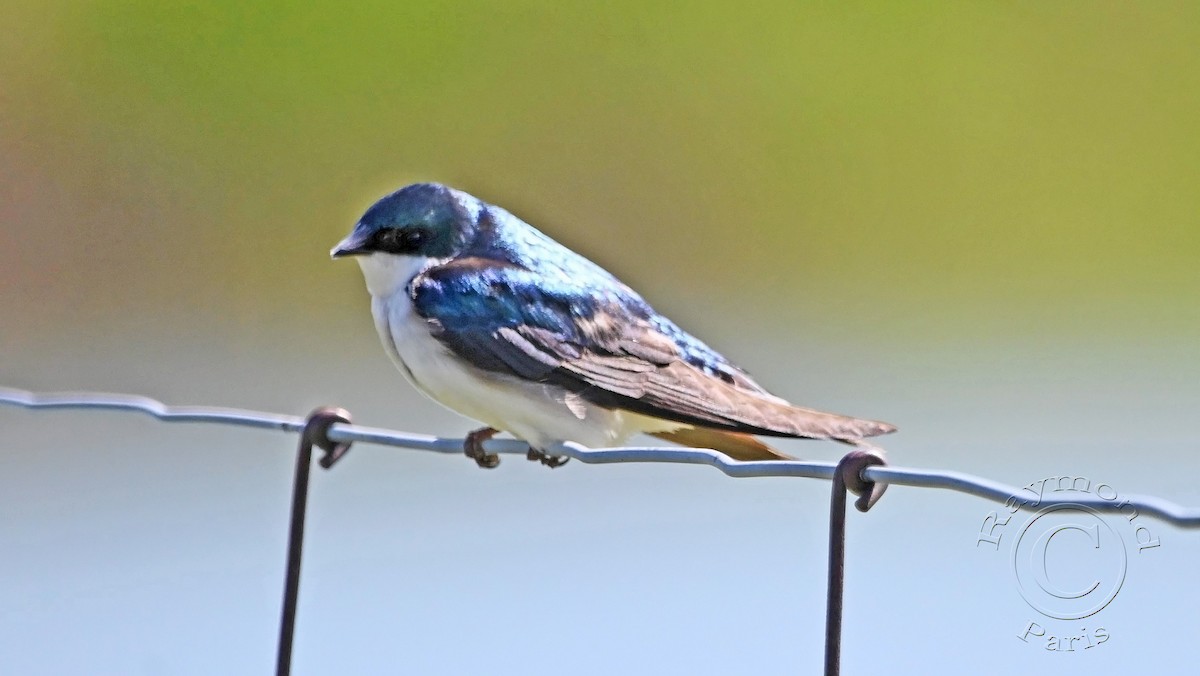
<point x="979" y="221"/>
<point x="995" y="169"/>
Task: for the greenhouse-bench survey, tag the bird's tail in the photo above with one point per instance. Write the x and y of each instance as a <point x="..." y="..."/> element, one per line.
<point x="736" y="445"/>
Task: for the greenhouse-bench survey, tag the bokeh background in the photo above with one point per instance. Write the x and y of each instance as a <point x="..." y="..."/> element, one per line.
<point x="978" y="221"/>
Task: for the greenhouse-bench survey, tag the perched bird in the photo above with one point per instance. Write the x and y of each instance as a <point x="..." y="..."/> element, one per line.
<point x="493" y="319"/>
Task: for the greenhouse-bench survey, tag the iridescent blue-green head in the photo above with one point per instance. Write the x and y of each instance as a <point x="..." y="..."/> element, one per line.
<point x="424" y="220"/>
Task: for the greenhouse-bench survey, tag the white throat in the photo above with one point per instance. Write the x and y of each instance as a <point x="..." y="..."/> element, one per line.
<point x="388" y="273"/>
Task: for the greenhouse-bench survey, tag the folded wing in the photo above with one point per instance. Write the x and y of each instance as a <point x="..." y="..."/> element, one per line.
<point x="608" y="346"/>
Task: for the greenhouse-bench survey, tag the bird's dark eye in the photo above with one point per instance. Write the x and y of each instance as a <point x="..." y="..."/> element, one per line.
<point x="400" y="240"/>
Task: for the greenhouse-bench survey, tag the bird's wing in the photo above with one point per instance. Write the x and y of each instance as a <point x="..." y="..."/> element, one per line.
<point x="604" y="343"/>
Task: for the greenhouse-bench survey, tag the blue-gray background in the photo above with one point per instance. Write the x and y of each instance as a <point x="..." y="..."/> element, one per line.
<point x="978" y="222"/>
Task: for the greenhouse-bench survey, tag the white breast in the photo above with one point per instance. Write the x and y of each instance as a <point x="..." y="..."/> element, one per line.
<point x="538" y="413"/>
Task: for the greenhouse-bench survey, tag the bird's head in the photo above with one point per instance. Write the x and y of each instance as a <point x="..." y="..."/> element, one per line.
<point x="409" y="230"/>
<point x="426" y="220"/>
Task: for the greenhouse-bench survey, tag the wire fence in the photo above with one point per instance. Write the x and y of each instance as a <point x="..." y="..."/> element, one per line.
<point x="341" y="432"/>
<point x="861" y="471"/>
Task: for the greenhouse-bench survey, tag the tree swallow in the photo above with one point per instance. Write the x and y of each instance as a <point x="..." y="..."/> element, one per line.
<point x="493" y="319"/>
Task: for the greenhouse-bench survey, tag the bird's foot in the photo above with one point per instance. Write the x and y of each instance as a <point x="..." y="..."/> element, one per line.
<point x="473" y="447"/>
<point x="550" y="461"/>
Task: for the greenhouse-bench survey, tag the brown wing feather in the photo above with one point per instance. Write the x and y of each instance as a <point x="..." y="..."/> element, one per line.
<point x="676" y="390"/>
<point x="681" y="391"/>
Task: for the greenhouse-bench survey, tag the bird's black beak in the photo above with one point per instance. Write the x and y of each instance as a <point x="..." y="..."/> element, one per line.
<point x="355" y="244"/>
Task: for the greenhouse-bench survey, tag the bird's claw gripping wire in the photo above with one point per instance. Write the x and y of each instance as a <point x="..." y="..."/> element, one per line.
<point x="546" y="459"/>
<point x="473" y="447"/>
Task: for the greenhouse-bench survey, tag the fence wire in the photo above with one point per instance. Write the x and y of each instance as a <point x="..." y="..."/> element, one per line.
<point x="1016" y="497"/>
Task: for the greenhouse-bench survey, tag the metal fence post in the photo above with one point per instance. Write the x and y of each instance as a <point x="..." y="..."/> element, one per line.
<point x="315" y="433"/>
<point x="847" y="476"/>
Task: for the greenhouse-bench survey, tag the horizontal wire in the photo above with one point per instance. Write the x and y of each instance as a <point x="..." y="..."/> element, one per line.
<point x="1013" y="498"/>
